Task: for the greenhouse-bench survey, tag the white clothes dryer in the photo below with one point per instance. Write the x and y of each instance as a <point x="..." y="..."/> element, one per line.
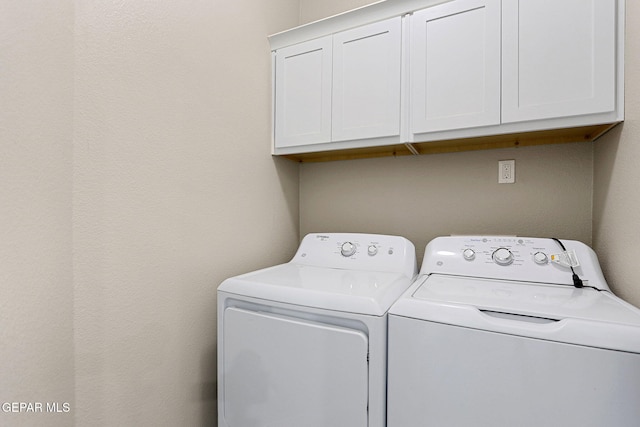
<point x="305" y="343"/>
<point x="494" y="332"/>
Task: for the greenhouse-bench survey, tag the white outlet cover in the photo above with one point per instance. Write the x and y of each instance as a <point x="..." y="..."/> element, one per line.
<point x="506" y="171"/>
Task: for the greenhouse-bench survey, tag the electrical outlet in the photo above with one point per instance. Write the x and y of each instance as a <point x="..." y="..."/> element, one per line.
<point x="506" y="171"/>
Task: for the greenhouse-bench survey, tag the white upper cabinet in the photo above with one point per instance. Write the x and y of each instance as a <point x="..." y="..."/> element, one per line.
<point x="303" y="93"/>
<point x="366" y="81"/>
<point x="342" y="87"/>
<point x="559" y="58"/>
<point x="455" y="66"/>
<point x="416" y="76"/>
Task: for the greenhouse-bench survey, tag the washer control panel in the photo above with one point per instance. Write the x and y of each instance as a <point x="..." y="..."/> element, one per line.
<point x="506" y="251"/>
<point x="358" y="251"/>
<point x="513" y="258"/>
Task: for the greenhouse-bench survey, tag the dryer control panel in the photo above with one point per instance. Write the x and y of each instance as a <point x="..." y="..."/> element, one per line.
<point x="356" y="251"/>
<point x="532" y="259"/>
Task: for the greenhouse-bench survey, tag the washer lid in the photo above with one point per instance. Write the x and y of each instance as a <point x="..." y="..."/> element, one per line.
<point x="560" y="313"/>
<point x="353" y="291"/>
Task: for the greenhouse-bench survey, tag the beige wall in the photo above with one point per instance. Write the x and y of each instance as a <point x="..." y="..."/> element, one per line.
<point x="135" y="176"/>
<point x="617" y="180"/>
<point x="175" y="190"/>
<point x="36" y="290"/>
<point x="313" y="10"/>
<point x="421" y="197"/>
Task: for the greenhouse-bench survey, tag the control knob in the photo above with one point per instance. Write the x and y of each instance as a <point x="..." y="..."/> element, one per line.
<point x="502" y="256"/>
<point x="469" y="254"/>
<point x="540" y="258"/>
<point x="347" y="249"/>
<point x="372" y="250"/>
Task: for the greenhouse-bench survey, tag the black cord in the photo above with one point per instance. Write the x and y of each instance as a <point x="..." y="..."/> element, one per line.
<point x="577" y="282"/>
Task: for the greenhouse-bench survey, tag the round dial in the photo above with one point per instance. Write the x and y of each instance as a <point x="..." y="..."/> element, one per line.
<point x="469" y="254"/>
<point x="372" y="250"/>
<point x="347" y="249"/>
<point x="502" y="256"/>
<point x="540" y="258"/>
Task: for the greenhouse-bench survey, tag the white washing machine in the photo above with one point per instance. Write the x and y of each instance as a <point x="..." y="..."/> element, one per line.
<point x="494" y="332"/>
<point x="304" y="344"/>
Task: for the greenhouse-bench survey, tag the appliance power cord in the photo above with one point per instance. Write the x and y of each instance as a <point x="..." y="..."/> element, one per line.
<point x="577" y="282"/>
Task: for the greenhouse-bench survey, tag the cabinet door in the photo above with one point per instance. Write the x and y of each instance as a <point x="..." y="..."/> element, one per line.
<point x="303" y="93"/>
<point x="455" y="66"/>
<point x="366" y="81"/>
<point x="558" y="58"/>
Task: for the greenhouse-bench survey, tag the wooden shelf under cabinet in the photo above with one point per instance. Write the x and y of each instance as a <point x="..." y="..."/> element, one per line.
<point x="554" y="136"/>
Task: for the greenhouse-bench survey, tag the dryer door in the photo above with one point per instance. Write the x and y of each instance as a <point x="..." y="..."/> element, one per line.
<point x="288" y="372"/>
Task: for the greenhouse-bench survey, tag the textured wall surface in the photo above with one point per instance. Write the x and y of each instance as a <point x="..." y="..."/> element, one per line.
<point x="313" y="10"/>
<point x="135" y="176"/>
<point x="617" y="179"/>
<point x="36" y="290"/>
<point x="421" y="197"/>
<point x="174" y="190"/>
